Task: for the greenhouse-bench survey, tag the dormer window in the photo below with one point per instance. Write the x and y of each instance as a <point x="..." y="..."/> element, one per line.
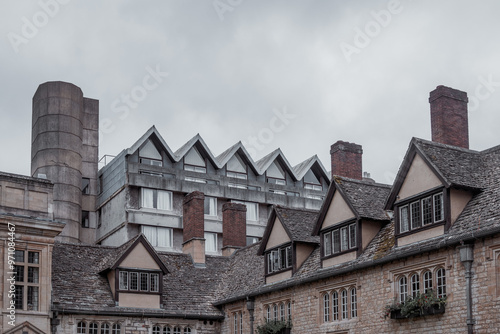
<point x="279" y="259"/>
<point x="339" y="240"/>
<point x="236" y="168"/>
<point x="194" y="162"/>
<point x="421" y="212"/>
<point x="275" y="174"/>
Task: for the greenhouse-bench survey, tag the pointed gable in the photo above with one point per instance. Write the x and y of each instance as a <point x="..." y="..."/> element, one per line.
<point x="148" y="150"/>
<point x="419" y="178"/>
<point x="338" y="211"/>
<point x="278" y="235"/>
<point x="193" y="157"/>
<point x="24" y="327"/>
<point x="236" y="164"/>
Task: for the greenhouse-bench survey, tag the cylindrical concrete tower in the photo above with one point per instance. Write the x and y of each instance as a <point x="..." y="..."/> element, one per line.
<point x="60" y="150"/>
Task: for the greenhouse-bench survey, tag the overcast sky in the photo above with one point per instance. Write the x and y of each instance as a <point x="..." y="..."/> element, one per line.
<point x="359" y="71"/>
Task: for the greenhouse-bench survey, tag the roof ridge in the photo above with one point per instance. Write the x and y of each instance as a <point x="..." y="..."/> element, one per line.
<point x="451" y="147"/>
<point x="364" y="182"/>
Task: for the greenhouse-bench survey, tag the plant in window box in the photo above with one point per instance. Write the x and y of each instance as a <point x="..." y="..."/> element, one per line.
<point x="275" y="327"/>
<point x="422" y="304"/>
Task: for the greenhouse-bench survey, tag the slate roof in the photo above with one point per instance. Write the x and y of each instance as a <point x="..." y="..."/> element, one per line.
<point x="78" y="285"/>
<point x="190" y="291"/>
<point x="366" y="197"/>
<point x="299" y="223"/>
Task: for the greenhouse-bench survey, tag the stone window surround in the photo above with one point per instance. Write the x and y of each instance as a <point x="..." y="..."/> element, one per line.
<point x="347" y="286"/>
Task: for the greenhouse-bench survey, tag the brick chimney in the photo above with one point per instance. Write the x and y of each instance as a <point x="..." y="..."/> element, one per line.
<point x="234" y="227"/>
<point x="449" y="120"/>
<point x="194" y="227"/>
<point x="347" y="160"/>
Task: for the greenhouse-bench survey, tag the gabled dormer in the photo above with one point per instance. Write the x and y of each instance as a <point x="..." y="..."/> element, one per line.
<point x="313" y="176"/>
<point x="433" y="186"/>
<point x="287" y="242"/>
<point x="351" y="216"/>
<point x="135" y="275"/>
<point x="437" y="178"/>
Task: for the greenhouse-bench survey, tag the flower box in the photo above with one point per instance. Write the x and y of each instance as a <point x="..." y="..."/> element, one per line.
<point x="432" y="310"/>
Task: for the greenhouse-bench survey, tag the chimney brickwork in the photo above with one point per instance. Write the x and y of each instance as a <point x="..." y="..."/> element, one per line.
<point x="194" y="227"/>
<point x="234" y="218"/>
<point x="449" y="120"/>
<point x="347" y="160"/>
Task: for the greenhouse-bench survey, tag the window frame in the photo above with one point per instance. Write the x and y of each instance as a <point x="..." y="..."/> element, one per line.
<point x="140" y="272"/>
<point x="411" y="213"/>
<point x="336" y="247"/>
<point x="210" y="199"/>
<point x="29" y="261"/>
<point x="156" y="202"/>
<point x="282" y="264"/>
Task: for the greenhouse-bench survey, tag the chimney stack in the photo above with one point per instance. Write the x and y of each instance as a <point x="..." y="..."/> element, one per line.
<point x="234" y="219"/>
<point x="194" y="227"/>
<point x="347" y="160"/>
<point x="449" y="120"/>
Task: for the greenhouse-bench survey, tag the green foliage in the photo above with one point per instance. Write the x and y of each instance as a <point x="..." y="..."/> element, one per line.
<point x="273" y="327"/>
<point x="415" y="306"/>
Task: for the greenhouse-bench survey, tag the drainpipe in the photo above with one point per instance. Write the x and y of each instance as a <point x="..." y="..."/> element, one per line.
<point x="467" y="257"/>
<point x="250" y="308"/>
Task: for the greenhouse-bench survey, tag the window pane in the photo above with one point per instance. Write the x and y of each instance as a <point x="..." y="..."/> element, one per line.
<point x="441" y="283"/>
<point x="352" y="236"/>
<point x="18" y="298"/>
<point x="336" y="241"/>
<point x="156" y="330"/>
<point x="19" y="256"/>
<point x="116" y="329"/>
<point x="403" y="289"/>
<point x="427" y="210"/>
<point x="123" y="280"/>
<point x="164" y="200"/>
<point x="438" y="207"/>
<point x="427" y="281"/>
<point x="275" y="312"/>
<point x="147" y="198"/>
<point x="155" y="278"/>
<point x="344" y="304"/>
<point x="210" y="206"/>
<point x="104" y="329"/>
<point x="252" y="211"/>
<point x="93" y="327"/>
<point x="81" y="328"/>
<point x="144" y="281"/>
<point x="344" y="245"/>
<point x="85" y="186"/>
<point x="164" y="235"/>
<point x="33" y="274"/>
<point x="134" y="281"/>
<point x="19" y="270"/>
<point x="289" y="311"/>
<point x="211" y="242"/>
<point x="354" y="303"/>
<point x="33" y="257"/>
<point x="326" y="307"/>
<point x="32" y="298"/>
<point x="335" y="305"/>
<point x="150" y="234"/>
<point x="415" y="285"/>
<point x="85" y="219"/>
<point x="327" y="243"/>
<point x="404" y="226"/>
<point x="415" y="215"/>
<point x="289" y="256"/>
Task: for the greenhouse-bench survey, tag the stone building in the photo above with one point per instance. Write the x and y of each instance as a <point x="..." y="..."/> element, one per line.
<point x="434" y="233"/>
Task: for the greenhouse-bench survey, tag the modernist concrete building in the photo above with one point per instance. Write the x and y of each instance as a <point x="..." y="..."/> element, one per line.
<point x="434" y="234"/>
